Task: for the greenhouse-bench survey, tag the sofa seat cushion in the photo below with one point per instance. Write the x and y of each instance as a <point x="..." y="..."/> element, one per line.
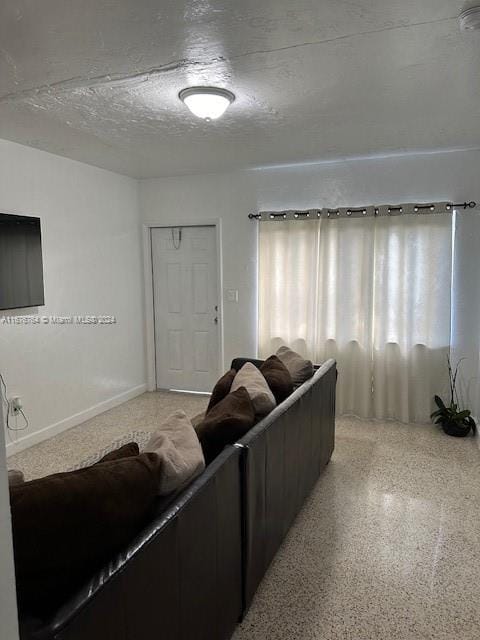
<point x="278" y="378"/>
<point x="176" y="444"/>
<point x="66" y="526"/>
<point x="299" y="368"/>
<point x="125" y="451"/>
<point x="260" y="393"/>
<point x="221" y="389"/>
<point x="228" y="421"/>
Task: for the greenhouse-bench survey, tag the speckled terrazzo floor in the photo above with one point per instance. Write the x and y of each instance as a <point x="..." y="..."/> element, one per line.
<point x="387" y="546"/>
<point x="72" y="447"/>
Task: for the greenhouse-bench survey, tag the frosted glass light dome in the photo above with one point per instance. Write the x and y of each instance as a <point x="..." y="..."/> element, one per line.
<point x="469" y="19"/>
<point x="208" y="103"/>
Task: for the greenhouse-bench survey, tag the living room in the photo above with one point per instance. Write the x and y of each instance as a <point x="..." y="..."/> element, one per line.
<point x="330" y="209"/>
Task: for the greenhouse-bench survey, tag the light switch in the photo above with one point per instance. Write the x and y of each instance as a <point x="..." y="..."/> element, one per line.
<point x="232" y="295"/>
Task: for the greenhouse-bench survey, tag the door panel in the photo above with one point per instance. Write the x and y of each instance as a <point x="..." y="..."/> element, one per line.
<point x="175" y="350"/>
<point x="200" y="351"/>
<point x="200" y="288"/>
<point x="185" y="298"/>
<point x="174" y="295"/>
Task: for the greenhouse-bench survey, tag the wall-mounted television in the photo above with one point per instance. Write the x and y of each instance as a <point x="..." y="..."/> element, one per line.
<point x="21" y="265"/>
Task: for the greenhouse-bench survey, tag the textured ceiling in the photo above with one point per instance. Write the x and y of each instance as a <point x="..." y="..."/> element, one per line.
<point x="98" y="80"/>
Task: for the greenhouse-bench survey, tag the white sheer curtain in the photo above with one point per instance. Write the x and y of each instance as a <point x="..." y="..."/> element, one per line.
<point x="373" y="293"/>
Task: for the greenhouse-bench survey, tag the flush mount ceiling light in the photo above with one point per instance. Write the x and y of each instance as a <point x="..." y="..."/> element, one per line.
<point x="469" y="19"/>
<point x="208" y="103"/>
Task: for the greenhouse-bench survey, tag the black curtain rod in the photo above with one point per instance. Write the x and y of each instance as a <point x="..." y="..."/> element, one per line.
<point x="359" y="211"/>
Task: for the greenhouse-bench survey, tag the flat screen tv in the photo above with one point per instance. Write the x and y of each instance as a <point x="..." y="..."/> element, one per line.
<point x="21" y="266"/>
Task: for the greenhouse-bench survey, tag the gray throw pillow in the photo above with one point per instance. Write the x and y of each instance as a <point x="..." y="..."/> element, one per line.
<point x="299" y="368"/>
<point x="176" y="444"/>
<point x="257" y="388"/>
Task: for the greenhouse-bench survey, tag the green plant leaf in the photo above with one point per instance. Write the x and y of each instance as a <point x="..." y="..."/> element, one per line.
<point x="439" y="403"/>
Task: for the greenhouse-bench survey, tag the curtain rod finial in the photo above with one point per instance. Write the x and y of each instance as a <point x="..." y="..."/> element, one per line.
<point x="465" y="205"/>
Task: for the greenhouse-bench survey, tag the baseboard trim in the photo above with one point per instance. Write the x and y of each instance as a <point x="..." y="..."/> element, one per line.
<point x="72" y="421"/>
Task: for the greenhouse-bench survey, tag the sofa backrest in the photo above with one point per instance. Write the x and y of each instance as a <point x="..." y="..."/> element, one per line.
<point x="237" y="363"/>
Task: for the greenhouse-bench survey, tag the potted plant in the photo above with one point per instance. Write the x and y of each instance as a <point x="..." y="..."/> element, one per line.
<point x="454" y="422"/>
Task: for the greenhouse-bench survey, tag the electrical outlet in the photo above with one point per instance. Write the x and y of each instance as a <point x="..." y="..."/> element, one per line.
<point x="15" y="405"/>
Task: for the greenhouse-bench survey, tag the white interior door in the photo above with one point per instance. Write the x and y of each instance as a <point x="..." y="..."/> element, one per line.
<point x="186" y="307"/>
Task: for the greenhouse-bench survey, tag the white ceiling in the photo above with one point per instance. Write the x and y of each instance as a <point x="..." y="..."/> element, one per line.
<point x="98" y="80"/>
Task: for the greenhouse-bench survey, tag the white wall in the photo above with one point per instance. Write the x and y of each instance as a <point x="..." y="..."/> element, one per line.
<point x="466" y="306"/>
<point x="436" y="176"/>
<point x="92" y="265"/>
<point x="228" y="197"/>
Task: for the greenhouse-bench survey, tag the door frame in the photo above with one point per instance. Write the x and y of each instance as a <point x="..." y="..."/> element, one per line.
<point x="148" y="281"/>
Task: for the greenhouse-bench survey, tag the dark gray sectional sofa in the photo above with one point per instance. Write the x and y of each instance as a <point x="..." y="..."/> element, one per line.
<point x="193" y="572"/>
<point x="283" y="456"/>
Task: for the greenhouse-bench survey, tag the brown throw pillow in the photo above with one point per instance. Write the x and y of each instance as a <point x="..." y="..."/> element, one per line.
<point x="66" y="526"/>
<point x="221" y="389"/>
<point x="228" y="421"/>
<point x="128" y="450"/>
<point x="15" y="476"/>
<point x="197" y="419"/>
<point x="299" y="368"/>
<point x="278" y="378"/>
